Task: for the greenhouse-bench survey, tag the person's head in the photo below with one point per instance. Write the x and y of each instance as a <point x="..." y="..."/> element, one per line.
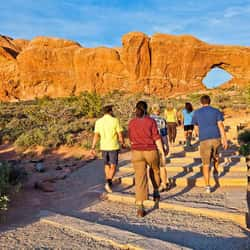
<point x="156" y="109"/>
<point x="170" y="106"/>
<point x="205" y="100"/>
<point x="188" y="107"/>
<point x="141" y="109"/>
<point x="108" y="109"/>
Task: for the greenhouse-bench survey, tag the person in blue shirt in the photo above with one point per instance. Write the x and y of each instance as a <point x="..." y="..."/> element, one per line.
<point x="208" y="124"/>
<point x="187" y="117"/>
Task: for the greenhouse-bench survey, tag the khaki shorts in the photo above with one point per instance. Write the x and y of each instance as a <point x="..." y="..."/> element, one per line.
<point x="209" y="150"/>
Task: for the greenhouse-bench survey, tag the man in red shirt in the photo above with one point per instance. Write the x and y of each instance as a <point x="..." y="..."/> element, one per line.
<point x="146" y="145"/>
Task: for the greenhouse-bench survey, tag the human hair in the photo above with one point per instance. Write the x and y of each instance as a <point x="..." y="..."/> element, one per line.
<point x="141" y="109"/>
<point x="156" y="108"/>
<point x="108" y="109"/>
<point x="205" y="99"/>
<point x="170" y="106"/>
<point x="188" y="107"/>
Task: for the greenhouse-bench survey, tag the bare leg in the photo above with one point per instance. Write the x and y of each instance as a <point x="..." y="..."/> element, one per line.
<point x="206" y="174"/>
<point x="185" y="135"/>
<point x="216" y="164"/>
<point x="189" y="138"/>
<point x="110" y="171"/>
<point x="163" y="174"/>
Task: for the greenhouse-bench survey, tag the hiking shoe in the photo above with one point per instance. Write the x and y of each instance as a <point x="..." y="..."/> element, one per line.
<point x="162" y="187"/>
<point x="208" y="189"/>
<point x="216" y="172"/>
<point x="141" y="212"/>
<point x="108" y="188"/>
<point x="156" y="196"/>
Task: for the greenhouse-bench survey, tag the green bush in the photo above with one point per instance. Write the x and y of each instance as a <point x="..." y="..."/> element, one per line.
<point x="10" y="176"/>
<point x="244" y="137"/>
<point x="32" y="137"/>
<point x="245" y="149"/>
<point x="4" y="185"/>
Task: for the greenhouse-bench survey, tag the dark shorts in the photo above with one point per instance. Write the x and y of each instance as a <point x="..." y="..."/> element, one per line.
<point x="188" y="127"/>
<point x="110" y="157"/>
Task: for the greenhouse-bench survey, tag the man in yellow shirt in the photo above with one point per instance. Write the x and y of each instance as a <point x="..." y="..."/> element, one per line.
<point x="109" y="130"/>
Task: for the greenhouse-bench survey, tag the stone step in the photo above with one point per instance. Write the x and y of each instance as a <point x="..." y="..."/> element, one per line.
<point x="187" y="160"/>
<point x="237" y="217"/>
<point x="196" y="180"/>
<point x="191" y="168"/>
<point x="196" y="157"/>
<point x="116" y="238"/>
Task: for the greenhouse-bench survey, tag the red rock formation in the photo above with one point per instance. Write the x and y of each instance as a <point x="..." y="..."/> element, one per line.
<point x="161" y="64"/>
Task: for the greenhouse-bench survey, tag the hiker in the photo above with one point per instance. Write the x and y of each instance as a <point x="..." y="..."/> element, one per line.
<point x="145" y="141"/>
<point x="162" y="129"/>
<point x="172" y="122"/>
<point x="109" y="130"/>
<point x="208" y="124"/>
<point x="186" y="121"/>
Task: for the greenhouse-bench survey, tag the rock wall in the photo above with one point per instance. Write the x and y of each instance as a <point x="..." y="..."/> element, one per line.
<point x="162" y="65"/>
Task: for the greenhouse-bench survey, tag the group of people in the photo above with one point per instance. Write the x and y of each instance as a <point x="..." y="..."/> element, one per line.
<point x="149" y="134"/>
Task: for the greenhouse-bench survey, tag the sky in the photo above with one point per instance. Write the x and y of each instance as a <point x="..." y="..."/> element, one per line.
<point x="95" y="23"/>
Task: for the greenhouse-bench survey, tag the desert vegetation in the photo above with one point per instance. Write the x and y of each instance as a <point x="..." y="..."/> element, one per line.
<point x="11" y="178"/>
<point x="53" y="122"/>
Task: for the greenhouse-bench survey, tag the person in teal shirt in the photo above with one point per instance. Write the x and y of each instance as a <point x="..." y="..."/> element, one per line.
<point x="187" y="117"/>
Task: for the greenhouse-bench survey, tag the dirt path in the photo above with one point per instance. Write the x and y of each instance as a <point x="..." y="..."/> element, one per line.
<point x="79" y="195"/>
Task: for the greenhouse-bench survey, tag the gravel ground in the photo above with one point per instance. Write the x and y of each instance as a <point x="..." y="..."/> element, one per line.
<point x="195" y="197"/>
<point x="42" y="236"/>
<point x="184" y="229"/>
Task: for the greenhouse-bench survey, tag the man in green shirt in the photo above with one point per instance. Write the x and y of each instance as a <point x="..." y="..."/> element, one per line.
<point x="109" y="130"/>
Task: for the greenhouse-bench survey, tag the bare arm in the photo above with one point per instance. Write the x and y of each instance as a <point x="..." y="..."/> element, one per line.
<point x="161" y="150"/>
<point x="196" y="130"/>
<point x="121" y="139"/>
<point x="222" y="134"/>
<point x="95" y="140"/>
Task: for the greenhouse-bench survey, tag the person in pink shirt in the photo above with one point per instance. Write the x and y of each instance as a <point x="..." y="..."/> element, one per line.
<point x="146" y="145"/>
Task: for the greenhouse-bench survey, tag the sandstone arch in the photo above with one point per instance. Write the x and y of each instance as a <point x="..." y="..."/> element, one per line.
<point x="162" y="64"/>
<point x="216" y="77"/>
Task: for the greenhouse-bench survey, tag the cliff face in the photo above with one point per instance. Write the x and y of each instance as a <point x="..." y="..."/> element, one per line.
<point x="162" y="65"/>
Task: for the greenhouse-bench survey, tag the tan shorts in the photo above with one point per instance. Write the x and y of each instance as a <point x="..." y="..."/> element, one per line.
<point x="209" y="150"/>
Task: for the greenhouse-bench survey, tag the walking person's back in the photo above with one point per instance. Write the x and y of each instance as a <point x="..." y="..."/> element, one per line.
<point x="109" y="130"/>
<point x="145" y="144"/>
<point x="172" y="122"/>
<point x="208" y="124"/>
<point x="162" y="129"/>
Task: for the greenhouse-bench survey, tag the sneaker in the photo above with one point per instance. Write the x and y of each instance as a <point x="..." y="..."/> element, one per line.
<point x="162" y="187"/>
<point x="156" y="196"/>
<point x="108" y="188"/>
<point x="141" y="212"/>
<point x="208" y="189"/>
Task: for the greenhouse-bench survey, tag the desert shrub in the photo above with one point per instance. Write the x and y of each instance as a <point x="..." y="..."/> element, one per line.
<point x="244" y="137"/>
<point x="194" y="98"/>
<point x="245" y="149"/>
<point x="4" y="185"/>
<point x="10" y="176"/>
<point x="32" y="137"/>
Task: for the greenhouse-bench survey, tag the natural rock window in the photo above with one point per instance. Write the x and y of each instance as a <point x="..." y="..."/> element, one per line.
<point x="216" y="77"/>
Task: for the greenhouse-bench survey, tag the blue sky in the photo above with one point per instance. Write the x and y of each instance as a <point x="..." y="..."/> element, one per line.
<point x="96" y="23"/>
